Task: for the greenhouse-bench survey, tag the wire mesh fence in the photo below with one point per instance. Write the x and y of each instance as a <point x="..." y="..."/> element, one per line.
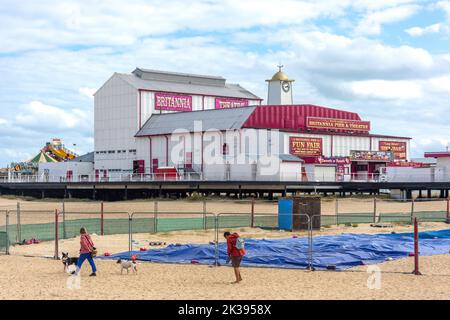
<point x="28" y="222"/>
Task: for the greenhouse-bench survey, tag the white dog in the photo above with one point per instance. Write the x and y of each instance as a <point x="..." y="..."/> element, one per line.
<point x="126" y="264"/>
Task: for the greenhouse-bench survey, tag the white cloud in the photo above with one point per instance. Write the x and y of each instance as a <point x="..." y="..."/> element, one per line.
<point x="381" y="89"/>
<point x="371" y="23"/>
<point x="441" y="84"/>
<point x="39" y="116"/>
<point x="88" y="92"/>
<point x="444" y="5"/>
<point x="418" y="31"/>
<point x="3" y="121"/>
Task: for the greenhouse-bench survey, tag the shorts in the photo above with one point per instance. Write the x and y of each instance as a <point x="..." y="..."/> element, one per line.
<point x="236" y="261"/>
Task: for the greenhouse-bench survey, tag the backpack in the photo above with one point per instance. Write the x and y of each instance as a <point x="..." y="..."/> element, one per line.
<point x="240" y="243"/>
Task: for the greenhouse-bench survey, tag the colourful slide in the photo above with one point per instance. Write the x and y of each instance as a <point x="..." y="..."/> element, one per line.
<point x="61" y="153"/>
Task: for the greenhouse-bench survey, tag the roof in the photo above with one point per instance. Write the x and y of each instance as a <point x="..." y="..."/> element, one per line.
<point x="288" y="118"/>
<point x="42" y="157"/>
<point x="442" y="154"/>
<point x="88" y="157"/>
<point x="216" y="119"/>
<point x="174" y="76"/>
<point x="198" y="85"/>
<point x="294" y="117"/>
<point x="281" y="76"/>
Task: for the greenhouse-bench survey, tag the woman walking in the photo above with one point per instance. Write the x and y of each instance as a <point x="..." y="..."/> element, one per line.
<point x="87" y="250"/>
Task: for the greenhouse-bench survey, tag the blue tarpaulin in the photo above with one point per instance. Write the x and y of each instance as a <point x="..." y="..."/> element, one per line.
<point x="342" y="251"/>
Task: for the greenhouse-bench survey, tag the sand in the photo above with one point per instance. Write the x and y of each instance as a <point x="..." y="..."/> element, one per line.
<point x="26" y="274"/>
<point x="43" y="278"/>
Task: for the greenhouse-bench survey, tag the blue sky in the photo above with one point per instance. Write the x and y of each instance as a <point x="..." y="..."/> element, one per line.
<point x="388" y="60"/>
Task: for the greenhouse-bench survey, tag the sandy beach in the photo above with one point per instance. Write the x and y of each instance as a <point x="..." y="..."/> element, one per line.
<point x="30" y="273"/>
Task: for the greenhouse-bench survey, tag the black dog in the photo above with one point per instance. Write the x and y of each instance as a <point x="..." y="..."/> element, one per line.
<point x="67" y="261"/>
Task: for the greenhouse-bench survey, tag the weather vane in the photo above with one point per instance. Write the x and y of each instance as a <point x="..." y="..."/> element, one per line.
<point x="280" y="66"/>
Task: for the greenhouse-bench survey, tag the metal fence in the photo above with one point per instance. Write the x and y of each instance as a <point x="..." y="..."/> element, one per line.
<point x="22" y="225"/>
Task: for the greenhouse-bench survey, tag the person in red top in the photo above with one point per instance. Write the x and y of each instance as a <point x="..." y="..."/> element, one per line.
<point x="86" y="250"/>
<point x="234" y="254"/>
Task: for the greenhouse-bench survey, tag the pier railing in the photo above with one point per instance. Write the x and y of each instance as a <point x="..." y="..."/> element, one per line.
<point x="194" y="176"/>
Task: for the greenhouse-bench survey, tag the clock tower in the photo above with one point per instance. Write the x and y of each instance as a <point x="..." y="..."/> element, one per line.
<point x="280" y="89"/>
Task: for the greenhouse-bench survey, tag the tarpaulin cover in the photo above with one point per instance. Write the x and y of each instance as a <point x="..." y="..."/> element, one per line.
<point x="342" y="251"/>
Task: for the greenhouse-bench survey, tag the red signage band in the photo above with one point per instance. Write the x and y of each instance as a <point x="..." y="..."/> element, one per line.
<point x="337" y="124"/>
<point x="305" y="147"/>
<point x="173" y="102"/>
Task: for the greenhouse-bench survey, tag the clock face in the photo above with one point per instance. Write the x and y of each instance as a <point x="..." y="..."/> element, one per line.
<point x="286" y="86"/>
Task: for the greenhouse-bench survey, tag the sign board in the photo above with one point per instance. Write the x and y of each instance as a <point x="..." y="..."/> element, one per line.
<point x="377" y="156"/>
<point x="337" y="124"/>
<point x="399" y="148"/>
<point x="409" y="164"/>
<point x="305" y="147"/>
<point x="173" y="102"/>
<point x="227" y="103"/>
<point x="334" y="160"/>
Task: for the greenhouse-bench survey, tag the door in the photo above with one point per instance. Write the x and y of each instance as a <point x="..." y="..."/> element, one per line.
<point x="324" y="173"/>
<point x="155" y="165"/>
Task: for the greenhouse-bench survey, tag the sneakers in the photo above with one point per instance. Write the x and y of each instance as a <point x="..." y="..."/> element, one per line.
<point x="93" y="274"/>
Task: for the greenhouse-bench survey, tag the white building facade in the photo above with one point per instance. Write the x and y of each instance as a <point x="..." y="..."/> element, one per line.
<point x="126" y="101"/>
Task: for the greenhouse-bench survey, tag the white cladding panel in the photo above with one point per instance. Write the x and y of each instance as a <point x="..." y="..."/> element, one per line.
<point x="342" y="145"/>
<point x="57" y="171"/>
<point x="115" y="124"/>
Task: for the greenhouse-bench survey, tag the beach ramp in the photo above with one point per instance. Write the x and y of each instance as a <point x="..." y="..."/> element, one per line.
<point x="339" y="252"/>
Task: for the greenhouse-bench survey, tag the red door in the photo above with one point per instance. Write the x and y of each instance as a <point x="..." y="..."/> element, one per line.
<point x="155" y="165"/>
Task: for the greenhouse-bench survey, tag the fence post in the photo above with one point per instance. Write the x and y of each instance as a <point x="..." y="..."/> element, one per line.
<point x="253" y="213"/>
<point x="7" y="231"/>
<point x="375" y="209"/>
<point x="19" y="226"/>
<point x="204" y="214"/>
<point x="448" y="210"/>
<point x="336" y="209"/>
<point x="64" y="219"/>
<point x="155" y="216"/>
<point x="416" y="248"/>
<point x="130" y="234"/>
<point x="56" y="257"/>
<point x="216" y="240"/>
<point x="102" y="221"/>
<point x="412" y="211"/>
<point x="310" y="243"/>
